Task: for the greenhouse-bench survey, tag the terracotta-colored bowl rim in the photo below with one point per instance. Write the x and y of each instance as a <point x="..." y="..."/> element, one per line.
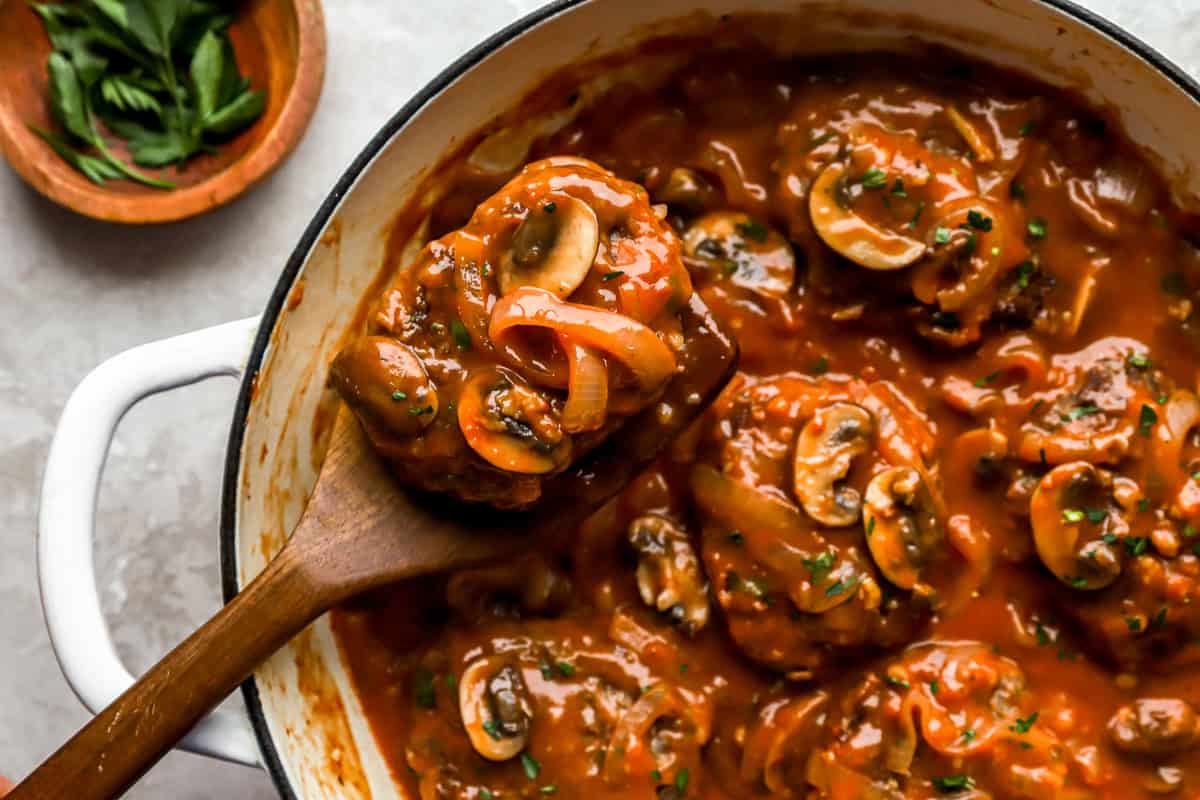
<point x="283" y="136"/>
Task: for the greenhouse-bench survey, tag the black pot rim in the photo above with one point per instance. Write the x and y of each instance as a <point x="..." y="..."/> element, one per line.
<point x="228" y="523"/>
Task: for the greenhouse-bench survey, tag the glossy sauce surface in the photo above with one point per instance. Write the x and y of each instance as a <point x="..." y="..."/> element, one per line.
<point x="938" y="537"/>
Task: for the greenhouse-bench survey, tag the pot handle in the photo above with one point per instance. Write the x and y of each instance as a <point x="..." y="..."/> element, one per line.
<point x="66" y="518"/>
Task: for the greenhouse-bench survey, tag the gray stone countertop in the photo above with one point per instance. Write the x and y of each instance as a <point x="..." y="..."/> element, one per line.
<point x="74" y="291"/>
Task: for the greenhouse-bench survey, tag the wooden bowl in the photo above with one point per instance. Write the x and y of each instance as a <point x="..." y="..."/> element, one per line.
<point x="280" y="45"/>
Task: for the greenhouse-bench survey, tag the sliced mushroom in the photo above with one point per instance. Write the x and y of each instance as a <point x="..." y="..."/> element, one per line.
<point x="861" y="241"/>
<point x="512" y="425"/>
<point x="687" y="189"/>
<point x="669" y="576"/>
<point x="552" y="248"/>
<point x="901" y="525"/>
<point x="1153" y="726"/>
<point x="385" y="383"/>
<point x="495" y="707"/>
<point x="749" y="253"/>
<point x="825" y="449"/>
<point x="1070" y="501"/>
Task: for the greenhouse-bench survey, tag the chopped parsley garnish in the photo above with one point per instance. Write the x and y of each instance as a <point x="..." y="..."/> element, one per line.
<point x="1016" y="190"/>
<point x="969" y="735"/>
<point x="566" y="669"/>
<point x="980" y="222"/>
<point x="655" y="775"/>
<point x="912" y="223"/>
<point x="1173" y="283"/>
<point x="423" y="689"/>
<point x="752" y="230"/>
<point x="870" y="527"/>
<point x="451" y="682"/>
<point x="1095" y="515"/>
<point x="1136" y="545"/>
<point x="681" y="781"/>
<point x="898" y="188"/>
<point x="1078" y="582"/>
<point x="417" y="412"/>
<point x="399" y="395"/>
<point x="549" y="788"/>
<point x="941" y="235"/>
<point x="550" y="207"/>
<point x="544" y="668"/>
<point x="1036" y="228"/>
<point x="934" y="688"/>
<point x="462" y="337"/>
<point x="953" y="783"/>
<point x="1072" y="515"/>
<point x="874" y="178"/>
<point x="820" y="366"/>
<point x="1043" y="638"/>
<point x="819" y="567"/>
<point x="840" y="585"/>
<point x="1160" y="619"/>
<point x="486" y="794"/>
<point x="985" y="380"/>
<point x="1133" y="623"/>
<point x="1189" y="531"/>
<point x="1138" y="361"/>
<point x="1146" y="420"/>
<point x="756" y="586"/>
<point x="612" y="276"/>
<point x="1144" y="504"/>
<point x="531" y="766"/>
<point x="492" y="729"/>
<point x="1025" y="271"/>
<point x="736" y="537"/>
<point x="1027" y="128"/>
<point x="1085" y="410"/>
<point x="897" y="682"/>
<point x="1023" y="725"/>
<point x="1109" y="538"/>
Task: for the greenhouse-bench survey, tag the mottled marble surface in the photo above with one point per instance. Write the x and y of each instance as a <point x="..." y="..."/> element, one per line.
<point x="73" y="291"/>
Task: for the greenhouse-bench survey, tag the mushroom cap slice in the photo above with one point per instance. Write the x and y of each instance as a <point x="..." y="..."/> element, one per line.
<point x="855" y="238"/>
<point x="747" y="253"/>
<point x="512" y="425"/>
<point x="1062" y="510"/>
<point x="386" y="384"/>
<point x="825" y="449"/>
<point x="495" y="708"/>
<point x="552" y="248"/>
<point x="901" y="526"/>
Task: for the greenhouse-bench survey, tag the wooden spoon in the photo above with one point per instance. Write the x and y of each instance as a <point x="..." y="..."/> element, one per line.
<point x="359" y="531"/>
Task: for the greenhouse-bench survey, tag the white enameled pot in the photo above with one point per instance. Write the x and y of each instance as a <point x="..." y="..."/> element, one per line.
<point x="306" y="725"/>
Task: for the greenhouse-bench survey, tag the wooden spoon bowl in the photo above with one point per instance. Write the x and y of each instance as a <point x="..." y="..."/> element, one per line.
<point x="280" y="45"/>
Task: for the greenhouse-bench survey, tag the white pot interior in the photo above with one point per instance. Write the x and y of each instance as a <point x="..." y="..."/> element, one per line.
<point x="314" y="720"/>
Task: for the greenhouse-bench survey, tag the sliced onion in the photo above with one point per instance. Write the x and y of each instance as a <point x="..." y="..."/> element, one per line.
<point x="634" y="345"/>
<point x="587" y="389"/>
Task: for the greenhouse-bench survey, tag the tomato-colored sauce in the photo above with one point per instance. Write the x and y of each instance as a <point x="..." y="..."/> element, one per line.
<point x="939" y="535"/>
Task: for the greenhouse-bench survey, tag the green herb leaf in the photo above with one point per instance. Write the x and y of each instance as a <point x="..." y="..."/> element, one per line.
<point x="1095" y="515"/>
<point x="531" y="766"/>
<point x="207" y="69"/>
<point x="236" y="115"/>
<point x="941" y="235"/>
<point x="753" y="230"/>
<point x="1085" y="410"/>
<point x="127" y="96"/>
<point x="462" y="336"/>
<point x="1072" y="515"/>
<point x="96" y="170"/>
<point x="152" y="22"/>
<point x="1138" y="361"/>
<point x="1023" y="725"/>
<point x="1174" y="283"/>
<point x="616" y="273"/>
<point x="66" y="98"/>
<point x="874" y="178"/>
<point x="1036" y="228"/>
<point x="681" y="781"/>
<point x="949" y="784"/>
<point x="978" y="221"/>
<point x="1147" y="420"/>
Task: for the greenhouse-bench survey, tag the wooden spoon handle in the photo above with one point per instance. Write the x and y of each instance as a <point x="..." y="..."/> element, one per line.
<point x="116" y="748"/>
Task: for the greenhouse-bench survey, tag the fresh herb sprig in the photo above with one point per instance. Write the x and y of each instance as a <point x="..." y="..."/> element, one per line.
<point x="159" y="74"/>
